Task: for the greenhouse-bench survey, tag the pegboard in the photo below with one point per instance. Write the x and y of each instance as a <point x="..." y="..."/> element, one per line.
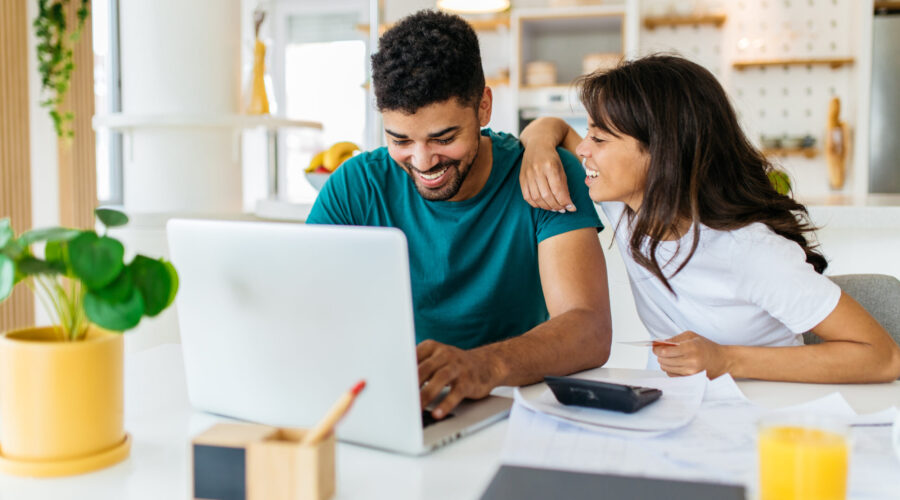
<point x="775" y="100"/>
<point x="702" y="43"/>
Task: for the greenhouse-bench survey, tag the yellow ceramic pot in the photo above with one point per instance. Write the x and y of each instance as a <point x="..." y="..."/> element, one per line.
<point x="61" y="403"/>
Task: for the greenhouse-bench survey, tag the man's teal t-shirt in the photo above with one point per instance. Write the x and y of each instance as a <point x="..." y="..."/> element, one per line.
<point x="473" y="263"/>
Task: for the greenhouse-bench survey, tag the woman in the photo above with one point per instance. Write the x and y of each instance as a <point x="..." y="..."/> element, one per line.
<point x="719" y="262"/>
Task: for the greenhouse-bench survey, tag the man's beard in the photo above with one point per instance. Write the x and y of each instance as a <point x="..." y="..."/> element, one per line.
<point x="452" y="186"/>
<point x="449" y="189"/>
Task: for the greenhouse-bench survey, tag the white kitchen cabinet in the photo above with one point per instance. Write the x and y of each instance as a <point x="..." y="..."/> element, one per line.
<point x="563" y="36"/>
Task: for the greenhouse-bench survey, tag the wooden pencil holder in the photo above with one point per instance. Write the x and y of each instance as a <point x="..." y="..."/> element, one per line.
<point x="259" y="462"/>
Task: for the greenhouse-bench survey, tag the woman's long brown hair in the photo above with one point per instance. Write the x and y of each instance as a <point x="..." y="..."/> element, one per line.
<point x="702" y="168"/>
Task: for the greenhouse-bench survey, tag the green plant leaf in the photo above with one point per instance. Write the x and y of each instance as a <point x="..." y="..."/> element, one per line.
<point x="110" y="217"/>
<point x="120" y="288"/>
<point x="29" y="266"/>
<point x="53" y="251"/>
<point x="6" y="232"/>
<point x="154" y="282"/>
<point x="95" y="260"/>
<point x="780" y="181"/>
<point x="115" y="316"/>
<point x="173" y="275"/>
<point x="7" y="277"/>
<point x="48" y="234"/>
<point x="13" y="249"/>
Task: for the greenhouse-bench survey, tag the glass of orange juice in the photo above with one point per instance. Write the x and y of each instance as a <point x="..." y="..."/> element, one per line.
<point x="802" y="457"/>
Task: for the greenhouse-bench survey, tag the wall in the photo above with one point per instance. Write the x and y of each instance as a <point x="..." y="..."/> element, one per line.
<point x="44" y="159"/>
<point x="779" y="100"/>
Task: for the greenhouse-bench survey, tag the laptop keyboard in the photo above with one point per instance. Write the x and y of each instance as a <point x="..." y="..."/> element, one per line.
<point x="427" y="419"/>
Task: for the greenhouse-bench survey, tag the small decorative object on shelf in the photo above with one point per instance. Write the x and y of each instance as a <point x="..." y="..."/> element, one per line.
<point x="789" y="145"/>
<point x="837" y="135"/>
<point x="540" y="73"/>
<point x="502" y="78"/>
<point x="258" y="93"/>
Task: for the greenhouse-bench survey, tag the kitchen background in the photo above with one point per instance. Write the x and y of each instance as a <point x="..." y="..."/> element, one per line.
<point x="172" y="139"/>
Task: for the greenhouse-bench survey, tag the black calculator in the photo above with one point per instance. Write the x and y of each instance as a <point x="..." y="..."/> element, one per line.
<point x="604" y="395"/>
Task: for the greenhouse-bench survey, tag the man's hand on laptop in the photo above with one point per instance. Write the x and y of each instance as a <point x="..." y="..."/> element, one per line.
<point x="469" y="374"/>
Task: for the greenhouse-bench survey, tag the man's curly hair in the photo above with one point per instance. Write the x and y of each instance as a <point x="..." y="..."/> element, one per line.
<point x="426" y="58"/>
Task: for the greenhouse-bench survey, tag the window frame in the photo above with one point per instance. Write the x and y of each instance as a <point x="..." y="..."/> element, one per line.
<point x="114" y="104"/>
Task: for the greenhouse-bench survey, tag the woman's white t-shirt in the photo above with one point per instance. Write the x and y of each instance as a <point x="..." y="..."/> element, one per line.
<point x="747" y="286"/>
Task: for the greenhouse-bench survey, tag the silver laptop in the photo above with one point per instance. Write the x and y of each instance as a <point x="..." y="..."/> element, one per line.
<point x="278" y="320"/>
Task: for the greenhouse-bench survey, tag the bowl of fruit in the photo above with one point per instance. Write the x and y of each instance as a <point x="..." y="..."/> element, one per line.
<point x="325" y="162"/>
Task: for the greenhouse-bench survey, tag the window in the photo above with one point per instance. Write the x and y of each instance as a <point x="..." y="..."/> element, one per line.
<point x="107" y="99"/>
<point x="323" y="67"/>
<point x="324" y="83"/>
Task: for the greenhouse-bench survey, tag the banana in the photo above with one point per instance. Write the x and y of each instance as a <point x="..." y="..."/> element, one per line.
<point x="338" y="153"/>
<point x="316" y="161"/>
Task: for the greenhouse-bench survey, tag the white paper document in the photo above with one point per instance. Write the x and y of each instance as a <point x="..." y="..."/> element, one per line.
<point x="646" y="343"/>
<point x="676" y="407"/>
<point x="717" y="445"/>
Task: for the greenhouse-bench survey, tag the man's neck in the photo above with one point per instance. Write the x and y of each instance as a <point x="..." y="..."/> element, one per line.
<point x="480" y="171"/>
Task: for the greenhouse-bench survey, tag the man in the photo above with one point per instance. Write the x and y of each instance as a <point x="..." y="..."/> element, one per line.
<point x="486" y="268"/>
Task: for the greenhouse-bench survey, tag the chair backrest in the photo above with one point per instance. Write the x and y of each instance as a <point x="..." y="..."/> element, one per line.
<point x="877" y="293"/>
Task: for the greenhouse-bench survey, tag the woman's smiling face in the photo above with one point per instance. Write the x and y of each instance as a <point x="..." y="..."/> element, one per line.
<point x="616" y="166"/>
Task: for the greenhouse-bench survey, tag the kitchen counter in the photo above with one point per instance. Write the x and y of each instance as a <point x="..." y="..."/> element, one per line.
<point x="834" y="211"/>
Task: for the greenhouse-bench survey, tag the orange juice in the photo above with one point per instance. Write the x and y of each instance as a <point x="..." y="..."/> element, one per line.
<point x="802" y="463"/>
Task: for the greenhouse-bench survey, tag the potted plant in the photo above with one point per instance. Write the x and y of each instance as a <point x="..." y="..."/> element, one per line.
<point x="56" y="57"/>
<point x="61" y="390"/>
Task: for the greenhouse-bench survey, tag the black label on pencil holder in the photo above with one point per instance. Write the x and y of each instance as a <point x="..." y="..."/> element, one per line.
<point x="219" y="473"/>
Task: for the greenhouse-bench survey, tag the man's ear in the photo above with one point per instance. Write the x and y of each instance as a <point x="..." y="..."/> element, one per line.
<point x="485" y="106"/>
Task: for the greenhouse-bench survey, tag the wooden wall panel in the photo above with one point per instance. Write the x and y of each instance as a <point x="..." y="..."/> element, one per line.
<point x="15" y="162"/>
<point x="77" y="156"/>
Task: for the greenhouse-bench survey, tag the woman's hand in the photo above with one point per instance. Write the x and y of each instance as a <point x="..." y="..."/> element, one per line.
<point x="693" y="354"/>
<point x="542" y="177"/>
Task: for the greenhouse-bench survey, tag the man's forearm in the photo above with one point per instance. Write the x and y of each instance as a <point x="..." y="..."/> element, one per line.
<point x="572" y="341"/>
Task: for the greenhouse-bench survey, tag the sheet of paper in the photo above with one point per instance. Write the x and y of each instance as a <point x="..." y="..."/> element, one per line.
<point x="538" y="440"/>
<point x="646" y="343"/>
<point x="680" y="400"/>
<point x="718" y="445"/>
<point x="883" y="417"/>
<point x="723" y="390"/>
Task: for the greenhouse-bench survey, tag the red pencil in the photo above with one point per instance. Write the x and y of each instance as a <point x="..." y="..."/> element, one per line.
<point x="337" y="411"/>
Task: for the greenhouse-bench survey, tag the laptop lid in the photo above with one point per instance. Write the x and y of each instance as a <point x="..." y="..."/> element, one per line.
<point x="278" y="320"/>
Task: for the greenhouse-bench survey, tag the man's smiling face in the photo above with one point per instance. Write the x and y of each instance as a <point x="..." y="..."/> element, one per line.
<point x="437" y="146"/>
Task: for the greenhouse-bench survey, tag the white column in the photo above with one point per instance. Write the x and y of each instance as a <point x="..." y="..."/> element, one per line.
<point x="181" y="58"/>
<point x="178" y="59"/>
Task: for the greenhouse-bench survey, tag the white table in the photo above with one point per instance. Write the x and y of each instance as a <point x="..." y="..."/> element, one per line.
<point x="161" y="423"/>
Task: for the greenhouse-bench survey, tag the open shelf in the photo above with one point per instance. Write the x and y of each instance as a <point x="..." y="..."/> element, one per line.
<point x="122" y="121"/>
<point x="807" y="152"/>
<point x="496" y="81"/>
<point x="478" y="24"/>
<point x="653" y="22"/>
<point x="836" y="62"/>
<point x="892" y="5"/>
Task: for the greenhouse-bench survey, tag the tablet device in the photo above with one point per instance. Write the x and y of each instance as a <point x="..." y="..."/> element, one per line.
<point x="527" y="483"/>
